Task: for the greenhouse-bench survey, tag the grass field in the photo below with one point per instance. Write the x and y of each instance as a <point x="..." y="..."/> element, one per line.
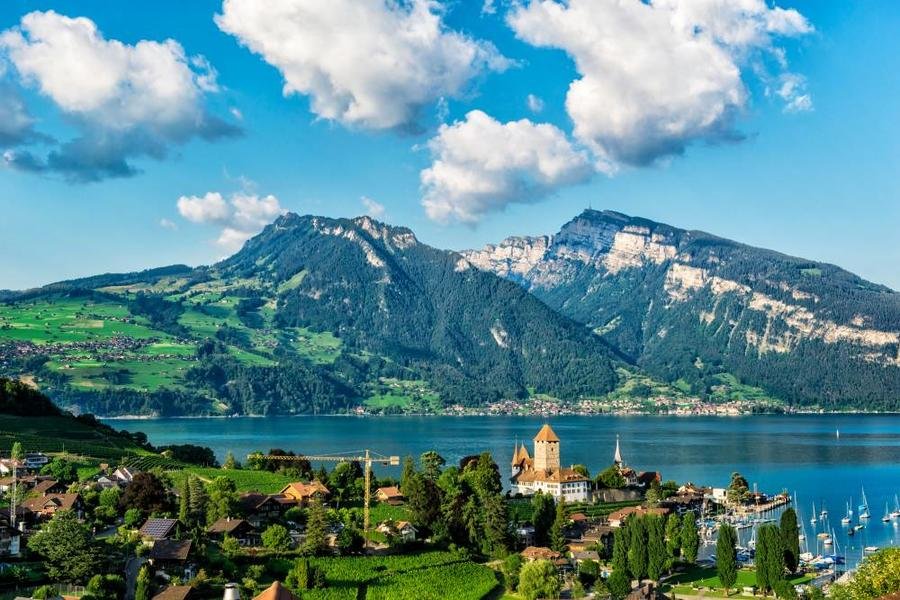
<point x="68" y="320"/>
<point x="705" y="577"/>
<point x="390" y="392"/>
<point x="246" y="480"/>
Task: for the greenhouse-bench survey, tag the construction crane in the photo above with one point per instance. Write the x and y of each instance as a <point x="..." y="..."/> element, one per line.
<point x="366" y="459"/>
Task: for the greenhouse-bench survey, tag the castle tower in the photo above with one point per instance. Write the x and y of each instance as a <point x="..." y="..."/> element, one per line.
<point x="546" y="450"/>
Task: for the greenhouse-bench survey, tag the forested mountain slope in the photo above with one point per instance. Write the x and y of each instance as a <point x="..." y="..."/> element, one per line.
<point x="312" y="315"/>
<point x="686" y="305"/>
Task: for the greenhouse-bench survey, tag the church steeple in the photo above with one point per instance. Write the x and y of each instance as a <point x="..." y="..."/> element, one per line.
<point x="617" y="459"/>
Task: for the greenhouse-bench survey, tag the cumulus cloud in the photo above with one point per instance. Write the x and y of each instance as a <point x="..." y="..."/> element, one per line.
<point x="481" y="165"/>
<point x="655" y="75"/>
<point x="792" y="89"/>
<point x="240" y="216"/>
<point x="372" y="63"/>
<point x="534" y="103"/>
<point x="168" y="224"/>
<point x="373" y="208"/>
<point x="126" y="101"/>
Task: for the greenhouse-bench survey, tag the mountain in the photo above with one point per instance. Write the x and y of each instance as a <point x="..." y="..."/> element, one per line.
<point x="311" y="315"/>
<point x="687" y="306"/>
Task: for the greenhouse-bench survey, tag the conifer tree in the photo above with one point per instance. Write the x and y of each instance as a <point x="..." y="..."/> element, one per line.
<point x="557" y="530"/>
<point x="542" y="518"/>
<point x="316" y="529"/>
<point x="657" y="555"/>
<point x="790" y="536"/>
<point x="673" y="536"/>
<point x="726" y="556"/>
<point x="637" y="547"/>
<point x="142" y="584"/>
<point x="690" y="539"/>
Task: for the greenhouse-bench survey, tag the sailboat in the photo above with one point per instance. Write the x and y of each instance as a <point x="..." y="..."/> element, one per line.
<point x="887" y="513"/>
<point x="864" y="507"/>
<point x="813" y="518"/>
<point x="824" y="513"/>
<point x="845" y="520"/>
<point x="895" y="514"/>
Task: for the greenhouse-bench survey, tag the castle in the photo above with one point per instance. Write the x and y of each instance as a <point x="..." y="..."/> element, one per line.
<point x="543" y="473"/>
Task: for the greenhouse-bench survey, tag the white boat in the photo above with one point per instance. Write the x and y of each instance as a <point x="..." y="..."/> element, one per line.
<point x="864" y="507"/>
<point x="871" y="549"/>
<point x="887" y="513"/>
<point x="845" y="520"/>
<point x="828" y="540"/>
<point x="895" y="514"/>
<point x="813" y="519"/>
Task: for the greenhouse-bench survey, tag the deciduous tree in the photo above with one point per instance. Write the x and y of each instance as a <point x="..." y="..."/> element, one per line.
<point x="66" y="546"/>
<point x="539" y="579"/>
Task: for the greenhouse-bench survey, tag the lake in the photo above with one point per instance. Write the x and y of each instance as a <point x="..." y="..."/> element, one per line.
<point x="799" y="453"/>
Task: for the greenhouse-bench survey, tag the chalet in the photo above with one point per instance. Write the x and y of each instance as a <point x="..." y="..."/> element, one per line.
<point x="617" y="518"/>
<point x="175" y="592"/>
<point x="404" y="530"/>
<point x="390" y="494"/>
<point x="302" y="493"/>
<point x="167" y="554"/>
<point x="46" y="505"/>
<point x="48" y="486"/>
<point x="543" y="473"/>
<point x="264" y="509"/>
<point x="239" y="529"/>
<point x="276" y="591"/>
<point x="533" y="553"/>
<point x="10" y="541"/>
<point x="155" y="529"/>
<point x="593" y="536"/>
<point x="23" y="481"/>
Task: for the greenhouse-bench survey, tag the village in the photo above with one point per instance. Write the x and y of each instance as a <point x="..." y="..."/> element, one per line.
<point x="148" y="530"/>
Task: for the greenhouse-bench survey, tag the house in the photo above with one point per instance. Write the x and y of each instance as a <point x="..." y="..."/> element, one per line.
<point x="403" y="530"/>
<point x="239" y="529"/>
<point x="525" y="534"/>
<point x="584" y="555"/>
<point x="276" y="591"/>
<point x="175" y="592"/>
<point x="592" y="537"/>
<point x="533" y="553"/>
<point x="23" y="481"/>
<point x="155" y="529"/>
<point x="35" y="461"/>
<point x="682" y="503"/>
<point x="10" y="541"/>
<point x="261" y="510"/>
<point x="46" y="505"/>
<point x="302" y="493"/>
<point x="48" y="486"/>
<point x="167" y="554"/>
<point x="617" y="518"/>
<point x="7" y="465"/>
<point x="544" y="473"/>
<point x="390" y="494"/>
<point x="124" y="475"/>
<point x="648" y="478"/>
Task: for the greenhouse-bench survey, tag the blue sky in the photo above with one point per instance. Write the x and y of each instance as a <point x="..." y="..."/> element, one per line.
<point x="180" y="165"/>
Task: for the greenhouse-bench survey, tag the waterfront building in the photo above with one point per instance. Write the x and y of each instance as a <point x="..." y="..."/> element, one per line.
<point x="544" y="473"/>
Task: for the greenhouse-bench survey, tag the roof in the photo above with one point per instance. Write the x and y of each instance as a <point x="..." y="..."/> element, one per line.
<point x="42" y="487"/>
<point x="276" y="591"/>
<point x="174" y="592"/>
<point x="158" y="529"/>
<point x="300" y="489"/>
<point x="586" y="555"/>
<point x="546" y="434"/>
<point x="538" y="552"/>
<point x="171" y="550"/>
<point x="556" y="475"/>
<point x="578" y="517"/>
<point x="228" y="525"/>
<point x="61" y="502"/>
<point x="391" y="491"/>
<point x="623" y="513"/>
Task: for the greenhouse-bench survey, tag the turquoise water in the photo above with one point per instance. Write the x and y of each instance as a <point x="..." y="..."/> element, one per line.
<point x="801" y="454"/>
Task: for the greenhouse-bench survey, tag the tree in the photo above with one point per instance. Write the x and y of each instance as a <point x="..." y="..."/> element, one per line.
<point x="106" y="587"/>
<point x="790" y="537"/>
<point x="511" y="567"/>
<point x="610" y="478"/>
<point x="350" y="541"/>
<point x="132" y="518"/>
<point x="142" y="584"/>
<point x="230" y="547"/>
<point x="690" y="539"/>
<point x="277" y="538"/>
<point x="726" y="556"/>
<point x="737" y="488"/>
<point x="66" y="546"/>
<point x="432" y="463"/>
<point x="673" y="536"/>
<point x="423" y="499"/>
<point x="61" y="470"/>
<point x="409" y="469"/>
<point x="538" y="579"/>
<point x="230" y="463"/>
<point x="657" y="555"/>
<point x="769" y="557"/>
<point x="619" y="584"/>
<point x="146" y="493"/>
<point x="878" y="575"/>
<point x="344" y="484"/>
<point x="221" y="499"/>
<point x="557" y="529"/>
<point x="588" y="572"/>
<point x="637" y="547"/>
<point x="16" y="453"/>
<point x="582" y="470"/>
<point x="542" y="518"/>
<point x="620" y="551"/>
<point x="305" y="576"/>
<point x="316" y="529"/>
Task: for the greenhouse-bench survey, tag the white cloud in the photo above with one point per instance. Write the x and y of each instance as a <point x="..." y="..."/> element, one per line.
<point x="373" y="208"/>
<point x="241" y="216"/>
<point x="480" y="165"/>
<point x="366" y="63"/>
<point x="656" y="75"/>
<point x="126" y="100"/>
<point x="792" y="90"/>
<point x="167" y="224"/>
<point x="534" y="103"/>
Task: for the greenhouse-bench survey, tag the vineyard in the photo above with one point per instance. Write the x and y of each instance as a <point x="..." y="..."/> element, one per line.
<point x="426" y="576"/>
<point x="521" y="510"/>
<point x="63" y="434"/>
<point x="246" y="480"/>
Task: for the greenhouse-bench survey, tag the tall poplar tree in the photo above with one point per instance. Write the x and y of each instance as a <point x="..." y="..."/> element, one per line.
<point x="790" y="536"/>
<point x="619" y="582"/>
<point x="657" y="555"/>
<point x="673" y="536"/>
<point x="726" y="556"/>
<point x="557" y="530"/>
<point x="690" y="539"/>
<point x="637" y="547"/>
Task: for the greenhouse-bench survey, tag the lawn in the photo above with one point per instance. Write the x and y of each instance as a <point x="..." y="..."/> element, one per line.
<point x="246" y="480"/>
<point x="705" y="577"/>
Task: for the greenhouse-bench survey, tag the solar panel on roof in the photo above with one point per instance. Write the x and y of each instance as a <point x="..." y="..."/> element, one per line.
<point x="158" y="528"/>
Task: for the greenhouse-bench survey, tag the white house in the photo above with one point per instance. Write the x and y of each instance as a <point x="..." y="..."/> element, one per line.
<point x="544" y="474"/>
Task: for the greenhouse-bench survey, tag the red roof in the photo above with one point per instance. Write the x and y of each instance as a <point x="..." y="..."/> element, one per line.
<point x="546" y="434"/>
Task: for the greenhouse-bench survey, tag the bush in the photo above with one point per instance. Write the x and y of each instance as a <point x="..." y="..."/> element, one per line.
<point x="539" y="579"/>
